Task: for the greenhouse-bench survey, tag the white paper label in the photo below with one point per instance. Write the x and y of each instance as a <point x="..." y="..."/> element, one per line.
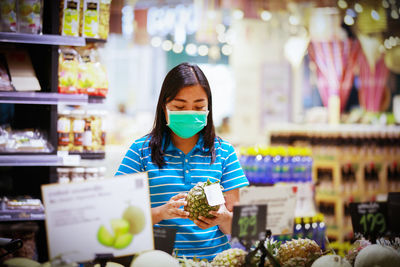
<point x="214" y="195"/>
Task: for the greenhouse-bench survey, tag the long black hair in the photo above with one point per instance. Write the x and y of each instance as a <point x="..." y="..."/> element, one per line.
<point x="183" y="75"/>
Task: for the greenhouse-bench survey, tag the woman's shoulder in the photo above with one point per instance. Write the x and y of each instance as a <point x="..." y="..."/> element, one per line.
<point x="222" y="144"/>
<point x="141" y="143"/>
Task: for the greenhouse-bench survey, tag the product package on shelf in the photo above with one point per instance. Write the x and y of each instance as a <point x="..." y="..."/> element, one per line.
<point x="80" y="174"/>
<point x="80" y="72"/>
<point x="29" y="16"/>
<point x="271" y="165"/>
<point x="8" y="16"/>
<point x="87" y="18"/>
<point x="5" y="82"/>
<point x="81" y="131"/>
<point x="20" y="141"/>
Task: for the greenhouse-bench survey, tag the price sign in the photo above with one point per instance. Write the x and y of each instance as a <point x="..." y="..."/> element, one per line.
<point x="249" y="222"/>
<point x="164" y="239"/>
<point x="369" y="219"/>
<point x="393" y="213"/>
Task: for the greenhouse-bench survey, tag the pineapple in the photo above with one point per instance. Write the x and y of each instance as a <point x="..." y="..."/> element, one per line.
<point x="230" y="258"/>
<point x="194" y="262"/>
<point x="298" y="248"/>
<point x="197" y="204"/>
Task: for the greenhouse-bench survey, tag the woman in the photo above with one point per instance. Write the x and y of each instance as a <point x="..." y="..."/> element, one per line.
<point x="179" y="152"/>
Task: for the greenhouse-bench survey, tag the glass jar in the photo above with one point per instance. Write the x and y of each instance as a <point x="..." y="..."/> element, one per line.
<point x="87" y="134"/>
<point x="63" y="175"/>
<point x="78" y="128"/>
<point x="78" y="174"/>
<point x="63" y="130"/>
<point x="91" y="174"/>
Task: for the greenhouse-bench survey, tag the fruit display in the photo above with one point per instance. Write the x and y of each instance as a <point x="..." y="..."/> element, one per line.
<point x="155" y="258"/>
<point x="124" y="229"/>
<point x="298" y="250"/>
<point x="197" y="204"/>
<point x="377" y="255"/>
<point x="230" y="257"/>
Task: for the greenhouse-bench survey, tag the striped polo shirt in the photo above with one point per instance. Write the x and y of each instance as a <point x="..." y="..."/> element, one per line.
<point x="179" y="175"/>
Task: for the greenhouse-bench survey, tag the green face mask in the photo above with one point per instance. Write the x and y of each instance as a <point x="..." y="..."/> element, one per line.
<point x="187" y="123"/>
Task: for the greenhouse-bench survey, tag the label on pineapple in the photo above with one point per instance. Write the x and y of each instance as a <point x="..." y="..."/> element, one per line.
<point x="108" y="216"/>
<point x="369" y="219"/>
<point x="214" y="195"/>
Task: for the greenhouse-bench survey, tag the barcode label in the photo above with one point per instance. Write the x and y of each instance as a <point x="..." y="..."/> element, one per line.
<point x="139" y="183"/>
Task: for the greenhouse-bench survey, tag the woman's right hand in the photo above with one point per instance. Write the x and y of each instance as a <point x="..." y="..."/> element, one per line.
<point x="170" y="210"/>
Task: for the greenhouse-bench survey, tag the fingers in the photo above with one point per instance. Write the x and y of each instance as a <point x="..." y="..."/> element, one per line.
<point x="181" y="213"/>
<point x="205" y="220"/>
<point x="178" y="196"/>
<point x="177" y="204"/>
<point x="215" y="213"/>
<point x="201" y="224"/>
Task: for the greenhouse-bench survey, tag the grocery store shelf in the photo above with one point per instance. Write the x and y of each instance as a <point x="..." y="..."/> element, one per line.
<point x="44" y="39"/>
<point x="10" y="215"/>
<point x="95" y="40"/>
<point x="42" y="98"/>
<point x="96" y="99"/>
<point x="90" y="156"/>
<point x="30" y="160"/>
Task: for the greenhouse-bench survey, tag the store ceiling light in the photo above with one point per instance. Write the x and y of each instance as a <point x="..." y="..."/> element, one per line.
<point x="394" y="14"/>
<point x="238" y="14"/>
<point x="375" y="15"/>
<point x="226" y="50"/>
<point x="202" y="50"/>
<point x="221" y="38"/>
<point x="220" y="28"/>
<point x="348" y="20"/>
<point x="177" y="48"/>
<point x="392" y="41"/>
<point x="342" y="4"/>
<point x="191" y="49"/>
<point x="351" y="13"/>
<point x="387" y="44"/>
<point x="358" y="8"/>
<point x="266" y="15"/>
<point x="167" y="45"/>
<point x="385" y="4"/>
<point x="294" y="20"/>
<point x="156" y="41"/>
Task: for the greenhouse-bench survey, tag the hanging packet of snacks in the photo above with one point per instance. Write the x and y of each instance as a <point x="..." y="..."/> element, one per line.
<point x="29" y="16"/>
<point x="70" y="17"/>
<point x="8" y="16"/>
<point x="104" y="24"/>
<point x="90" y="18"/>
<point x="67" y="71"/>
<point x="86" y="72"/>
<point x="100" y="73"/>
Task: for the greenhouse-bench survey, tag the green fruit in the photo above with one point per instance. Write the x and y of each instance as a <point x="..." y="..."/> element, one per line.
<point x="105" y="237"/>
<point x="119" y="226"/>
<point x="377" y="255"/>
<point x="136" y="218"/>
<point x="122" y="241"/>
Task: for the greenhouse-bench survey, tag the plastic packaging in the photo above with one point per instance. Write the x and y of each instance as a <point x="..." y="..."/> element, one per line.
<point x="78" y="128"/>
<point x="27" y="141"/>
<point x="104" y="23"/>
<point x="29" y="16"/>
<point x="8" y="16"/>
<point x="63" y="130"/>
<point x="70" y="17"/>
<point x="67" y="71"/>
<point x="90" y="18"/>
<point x="5" y="82"/>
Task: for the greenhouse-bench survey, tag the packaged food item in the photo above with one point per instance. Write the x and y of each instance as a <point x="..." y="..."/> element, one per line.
<point x="92" y="174"/>
<point x="100" y="73"/>
<point x="86" y="72"/>
<point x="102" y="173"/>
<point x="5" y="83"/>
<point x="29" y="16"/>
<point x="78" y="175"/>
<point x="27" y="141"/>
<point x="104" y="23"/>
<point x="103" y="131"/>
<point x="63" y="130"/>
<point x="8" y="16"/>
<point x="90" y="18"/>
<point x="96" y="128"/>
<point x="78" y="128"/>
<point x="67" y="71"/>
<point x="23" y="203"/>
<point x="70" y="17"/>
<point x="87" y="135"/>
<point x="63" y="175"/>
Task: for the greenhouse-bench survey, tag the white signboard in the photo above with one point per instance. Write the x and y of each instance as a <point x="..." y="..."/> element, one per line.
<point x="110" y="216"/>
<point x="281" y="201"/>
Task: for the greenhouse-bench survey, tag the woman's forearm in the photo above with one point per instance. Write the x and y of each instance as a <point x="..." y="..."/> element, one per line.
<point x="156" y="215"/>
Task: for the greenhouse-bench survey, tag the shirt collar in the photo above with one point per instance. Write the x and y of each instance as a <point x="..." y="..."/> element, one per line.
<point x="172" y="148"/>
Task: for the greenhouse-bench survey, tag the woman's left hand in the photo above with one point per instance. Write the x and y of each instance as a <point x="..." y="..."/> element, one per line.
<point x="223" y="218"/>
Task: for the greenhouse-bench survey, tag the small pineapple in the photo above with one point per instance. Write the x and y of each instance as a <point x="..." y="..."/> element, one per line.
<point x="230" y="258"/>
<point x="299" y="248"/>
<point x="197" y="204"/>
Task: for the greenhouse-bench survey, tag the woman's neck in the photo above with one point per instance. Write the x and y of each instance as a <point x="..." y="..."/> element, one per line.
<point x="184" y="144"/>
